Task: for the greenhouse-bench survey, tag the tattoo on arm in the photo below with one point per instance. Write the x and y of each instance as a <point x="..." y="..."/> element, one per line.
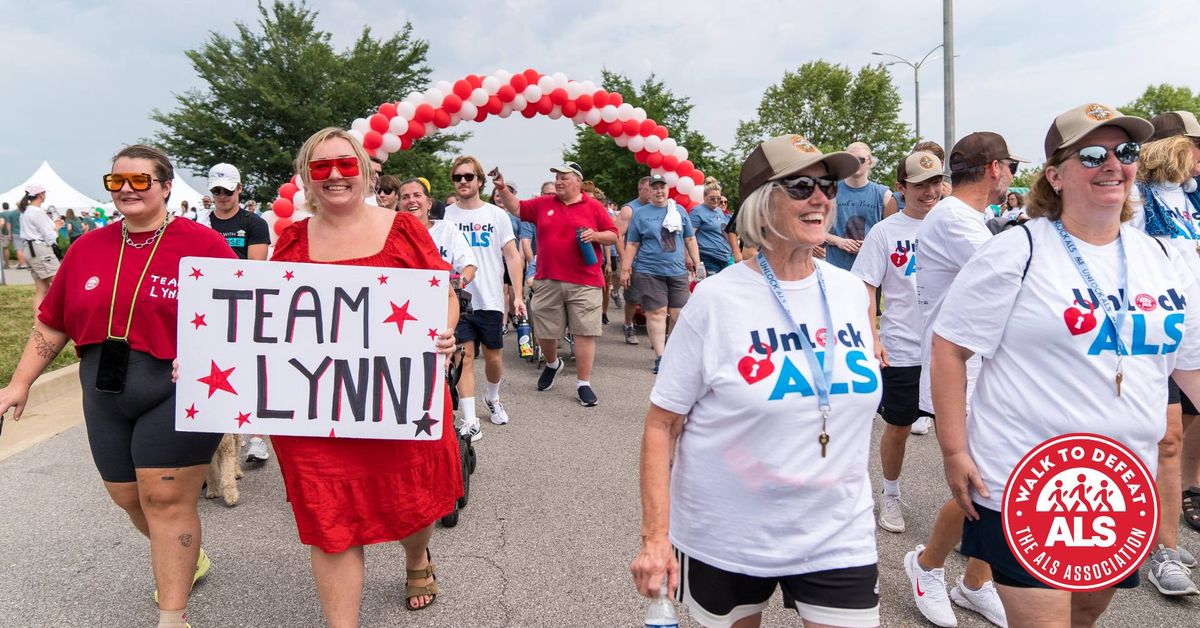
<point x="185" y="540"/>
<point x="43" y="346"/>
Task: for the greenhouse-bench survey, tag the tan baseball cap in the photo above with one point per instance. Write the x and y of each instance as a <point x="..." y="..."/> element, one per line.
<point x="1174" y="123"/>
<point x="782" y="156"/>
<point x="919" y="166"/>
<point x="1072" y="125"/>
<point x="979" y="149"/>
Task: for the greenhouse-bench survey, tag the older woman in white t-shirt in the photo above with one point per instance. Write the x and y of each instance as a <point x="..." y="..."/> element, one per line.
<point x="1055" y="366"/>
<point x="768" y="410"/>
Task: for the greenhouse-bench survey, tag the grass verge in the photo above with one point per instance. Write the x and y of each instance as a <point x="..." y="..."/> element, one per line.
<point x="16" y="319"/>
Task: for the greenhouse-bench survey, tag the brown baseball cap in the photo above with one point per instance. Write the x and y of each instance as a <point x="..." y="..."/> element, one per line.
<point x="980" y="149"/>
<point x="919" y="166"/>
<point x="786" y="155"/>
<point x="1072" y="125"/>
<point x="1174" y="123"/>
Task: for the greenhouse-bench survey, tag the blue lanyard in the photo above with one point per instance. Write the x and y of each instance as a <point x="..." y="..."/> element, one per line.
<point x="822" y="374"/>
<point x="1115" y="318"/>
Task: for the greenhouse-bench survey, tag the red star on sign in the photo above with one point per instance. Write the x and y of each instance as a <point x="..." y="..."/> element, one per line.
<point x="192" y="411"/>
<point x="382" y="279"/>
<point x="196" y="273"/>
<point x="400" y="315"/>
<point x="198" y="321"/>
<point x="239" y="274"/>
<point x="217" y="380"/>
<point x="289" y="275"/>
<point x="434" y="282"/>
<point x="433" y="333"/>
<point x="242" y="419"/>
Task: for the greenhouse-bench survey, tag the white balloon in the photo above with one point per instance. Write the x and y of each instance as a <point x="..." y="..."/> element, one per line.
<point x="533" y="93"/>
<point x="555" y="113"/>
<point x="430" y="129"/>
<point x="361" y="125"/>
<point x="573" y="90"/>
<point x="298" y="199"/>
<point x="668" y="146"/>
<point x="624" y="111"/>
<point x="434" y="96"/>
<point x="653" y="143"/>
<point x="519" y="103"/>
<point x="398" y="125"/>
<point x="415" y="98"/>
<point x="546" y="83"/>
<point x="455" y="118"/>
<point x="589" y="87"/>
<point x="479" y="96"/>
<point x="560" y="79"/>
<point x="391" y="142"/>
<point x="671" y="178"/>
<point x="608" y="113"/>
<point x="636" y="143"/>
<point x="621" y="140"/>
<point x="444" y="87"/>
<point x="506" y="110"/>
<point x="697" y="193"/>
<point x="469" y="111"/>
<point x="405" y="110"/>
<point x="592" y="117"/>
<point x="685" y="185"/>
<point x="681" y="153"/>
<point x="639" y="114"/>
<point x="491" y="84"/>
<point x="357" y="135"/>
<point x="503" y="75"/>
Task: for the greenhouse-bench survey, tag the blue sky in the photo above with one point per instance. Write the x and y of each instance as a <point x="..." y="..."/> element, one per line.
<point x="80" y="78"/>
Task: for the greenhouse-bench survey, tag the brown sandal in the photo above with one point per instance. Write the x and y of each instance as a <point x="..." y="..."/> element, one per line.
<point x="412" y="591"/>
<point x="1191" y="507"/>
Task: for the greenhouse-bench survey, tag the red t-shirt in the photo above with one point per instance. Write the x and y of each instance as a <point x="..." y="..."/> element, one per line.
<point x="558" y="254"/>
<point x="80" y="296"/>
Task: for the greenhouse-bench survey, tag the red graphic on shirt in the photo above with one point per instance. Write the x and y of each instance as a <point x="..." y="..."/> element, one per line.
<point x="1145" y="302"/>
<point x="822" y="335"/>
<point x="1078" y="321"/>
<point x="754" y="371"/>
<point x="899" y="259"/>
<point x="1080" y="512"/>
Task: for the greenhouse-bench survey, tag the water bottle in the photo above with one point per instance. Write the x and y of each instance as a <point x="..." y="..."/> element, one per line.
<point x="661" y="613"/>
<point x="588" y="250"/>
<point x="524" y="336"/>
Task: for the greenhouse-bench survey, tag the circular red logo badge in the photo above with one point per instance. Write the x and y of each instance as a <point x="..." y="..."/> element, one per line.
<point x="1145" y="302"/>
<point x="1080" y="512"/>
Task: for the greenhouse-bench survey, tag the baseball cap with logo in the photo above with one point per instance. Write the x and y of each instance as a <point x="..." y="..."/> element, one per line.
<point x="568" y="168"/>
<point x="979" y="149"/>
<point x="1174" y="123"/>
<point x="1071" y="126"/>
<point x="786" y="155"/>
<point x="224" y="176"/>
<point x="34" y="189"/>
<point x="657" y="178"/>
<point x="919" y="166"/>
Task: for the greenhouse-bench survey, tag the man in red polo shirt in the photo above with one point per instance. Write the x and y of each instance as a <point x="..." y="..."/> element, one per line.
<point x="567" y="291"/>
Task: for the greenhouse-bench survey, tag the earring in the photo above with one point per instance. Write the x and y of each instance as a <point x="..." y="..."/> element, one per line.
<point x="1057" y="191"/>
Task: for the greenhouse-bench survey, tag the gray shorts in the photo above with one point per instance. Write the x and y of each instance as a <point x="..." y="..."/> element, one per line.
<point x="658" y="291"/>
<point x="630" y="294"/>
<point x="43" y="263"/>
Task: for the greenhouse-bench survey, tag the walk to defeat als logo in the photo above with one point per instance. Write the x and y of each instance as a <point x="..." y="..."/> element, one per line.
<point x="1080" y="512"/>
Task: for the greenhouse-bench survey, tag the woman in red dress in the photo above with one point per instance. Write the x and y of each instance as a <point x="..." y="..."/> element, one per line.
<point x="347" y="493"/>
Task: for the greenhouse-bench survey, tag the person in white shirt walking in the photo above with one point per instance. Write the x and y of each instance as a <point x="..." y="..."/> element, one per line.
<point x="38" y="234"/>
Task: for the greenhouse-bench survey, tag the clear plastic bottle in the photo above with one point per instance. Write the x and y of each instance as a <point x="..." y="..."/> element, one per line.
<point x="661" y="613"/>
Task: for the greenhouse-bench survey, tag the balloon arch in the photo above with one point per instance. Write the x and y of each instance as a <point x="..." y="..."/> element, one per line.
<point x="397" y="125"/>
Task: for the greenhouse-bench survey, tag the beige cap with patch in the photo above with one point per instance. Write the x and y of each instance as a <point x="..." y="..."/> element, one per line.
<point x="919" y="166"/>
<point x="1071" y="126"/>
<point x="1174" y="123"/>
<point x="787" y="155"/>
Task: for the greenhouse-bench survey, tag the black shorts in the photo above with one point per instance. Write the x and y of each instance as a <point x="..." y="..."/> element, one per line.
<point x="481" y="327"/>
<point x="1174" y="395"/>
<point x="901" y="394"/>
<point x="984" y="539"/>
<point x="135" y="429"/>
<point x="840" y="597"/>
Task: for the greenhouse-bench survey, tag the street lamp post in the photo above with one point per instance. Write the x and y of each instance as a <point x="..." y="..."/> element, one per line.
<point x="916" y="67"/>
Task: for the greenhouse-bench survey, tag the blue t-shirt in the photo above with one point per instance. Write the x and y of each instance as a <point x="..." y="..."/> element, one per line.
<point x="858" y="209"/>
<point x="709" y="224"/>
<point x="645" y="228"/>
<point x="528" y="231"/>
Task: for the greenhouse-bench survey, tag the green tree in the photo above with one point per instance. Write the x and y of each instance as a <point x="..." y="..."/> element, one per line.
<point x="832" y="107"/>
<point x="1161" y="99"/>
<point x="613" y="168"/>
<point x="1024" y="178"/>
<point x="269" y="89"/>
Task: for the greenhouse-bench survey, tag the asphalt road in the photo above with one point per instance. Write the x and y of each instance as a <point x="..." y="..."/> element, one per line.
<point x="546" y="540"/>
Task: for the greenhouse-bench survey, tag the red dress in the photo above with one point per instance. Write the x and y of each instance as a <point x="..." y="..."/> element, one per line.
<point x="354" y="491"/>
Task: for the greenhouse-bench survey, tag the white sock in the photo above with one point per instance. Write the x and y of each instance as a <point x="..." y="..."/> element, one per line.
<point x="493" y="392"/>
<point x="467" y="405"/>
<point x="172" y="619"/>
<point x="553" y="364"/>
<point x="891" y="487"/>
<point x="582" y="382"/>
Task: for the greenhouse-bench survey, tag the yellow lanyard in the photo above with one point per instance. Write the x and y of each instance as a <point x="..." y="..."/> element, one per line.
<point x="112" y="305"/>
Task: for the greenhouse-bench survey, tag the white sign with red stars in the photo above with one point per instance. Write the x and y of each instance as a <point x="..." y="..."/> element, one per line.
<point x="310" y="349"/>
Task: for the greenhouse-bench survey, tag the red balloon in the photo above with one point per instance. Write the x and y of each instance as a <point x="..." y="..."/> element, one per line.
<point x="482" y="115"/>
<point x="670" y="162"/>
<point x="506" y="93"/>
<point x="545" y="106"/>
<point x="569" y="109"/>
<point x="615" y="99"/>
<point x="641" y="156"/>
<point x="283" y="208"/>
<point x="288" y="190"/>
<point x="601" y="128"/>
<point x="424" y="113"/>
<point x="281" y="225"/>
<point x="697" y="177"/>
<point x="405" y="142"/>
<point x="529" y="111"/>
<point x="441" y="119"/>
<point x="474" y="81"/>
<point x="661" y="131"/>
<point x="558" y="96"/>
<point x="532" y="75"/>
<point x="600" y="98"/>
<point x="452" y="103"/>
<point x="685" y="168"/>
<point x="494" y="105"/>
<point x="631" y="127"/>
<point x="388" y="109"/>
<point x="615" y="129"/>
<point x="646" y="128"/>
<point x="518" y="82"/>
<point x="372" y="139"/>
<point x="462" y="89"/>
<point x="379" y="123"/>
<point x="585" y="102"/>
<point x="416" y="130"/>
<point x="655" y="160"/>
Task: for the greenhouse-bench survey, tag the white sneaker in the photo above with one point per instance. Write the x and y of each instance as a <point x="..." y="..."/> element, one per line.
<point x="985" y="601"/>
<point x="929" y="590"/>
<point x="891" y="514"/>
<point x="499" y="416"/>
<point x="922" y="425"/>
<point x="257" y="452"/>
<point x="472" y="428"/>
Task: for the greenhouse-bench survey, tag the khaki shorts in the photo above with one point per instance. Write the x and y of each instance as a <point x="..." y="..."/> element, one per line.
<point x="43" y="264"/>
<point x="557" y="305"/>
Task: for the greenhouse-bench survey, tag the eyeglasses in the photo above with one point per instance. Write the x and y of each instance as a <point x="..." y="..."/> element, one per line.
<point x="800" y="188"/>
<point x="862" y="160"/>
<point x="220" y="192"/>
<point x="385" y="190"/>
<point x="1095" y="156"/>
<point x="1012" y="166"/>
<point x="138" y="181"/>
<point x="321" y="169"/>
<point x="467" y="176"/>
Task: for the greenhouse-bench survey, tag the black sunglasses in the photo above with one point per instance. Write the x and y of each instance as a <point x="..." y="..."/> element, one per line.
<point x="468" y="177"/>
<point x="385" y="190"/>
<point x="221" y="192"/>
<point x="1012" y="167"/>
<point x="1095" y="156"/>
<point x="800" y="188"/>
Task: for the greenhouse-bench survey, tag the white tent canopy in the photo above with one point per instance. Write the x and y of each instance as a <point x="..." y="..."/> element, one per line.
<point x="181" y="191"/>
<point x="58" y="192"/>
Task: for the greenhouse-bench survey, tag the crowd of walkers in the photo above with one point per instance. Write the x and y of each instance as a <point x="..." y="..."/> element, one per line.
<point x="779" y="334"/>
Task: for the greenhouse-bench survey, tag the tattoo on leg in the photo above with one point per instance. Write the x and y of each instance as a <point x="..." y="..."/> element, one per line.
<point x="185" y="540"/>
<point x="44" y="347"/>
<point x="168" y="478"/>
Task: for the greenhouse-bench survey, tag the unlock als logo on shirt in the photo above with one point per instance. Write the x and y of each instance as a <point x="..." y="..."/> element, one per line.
<point x="760" y="363"/>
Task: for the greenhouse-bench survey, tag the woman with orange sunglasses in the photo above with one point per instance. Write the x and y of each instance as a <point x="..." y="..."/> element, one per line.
<point x="123" y="327"/>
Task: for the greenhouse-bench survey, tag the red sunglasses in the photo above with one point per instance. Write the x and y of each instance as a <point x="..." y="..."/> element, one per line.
<point x="320" y="169"/>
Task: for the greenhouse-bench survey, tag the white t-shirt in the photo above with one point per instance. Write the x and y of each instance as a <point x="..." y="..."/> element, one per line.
<point x="487" y="229"/>
<point x="1048" y="368"/>
<point x="948" y="237"/>
<point x="888" y="261"/>
<point x="1182" y="216"/>
<point x="452" y="246"/>
<point x="750" y="492"/>
<point x="37" y="225"/>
